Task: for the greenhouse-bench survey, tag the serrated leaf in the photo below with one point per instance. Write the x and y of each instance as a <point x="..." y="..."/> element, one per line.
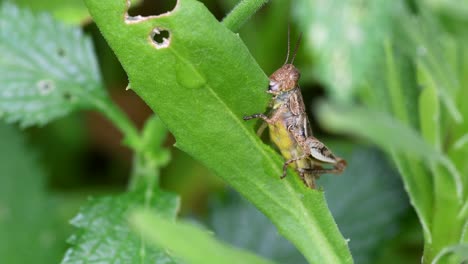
<point x="191" y="243"/>
<point x="27" y="216"/>
<point x="47" y="69"/>
<point x="104" y="235"/>
<point x="201" y="81"/>
<point x="367" y="201"/>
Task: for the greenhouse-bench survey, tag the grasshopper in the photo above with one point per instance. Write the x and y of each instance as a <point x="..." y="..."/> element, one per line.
<point x="290" y="128"/>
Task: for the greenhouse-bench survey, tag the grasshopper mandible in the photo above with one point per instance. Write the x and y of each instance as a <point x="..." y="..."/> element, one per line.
<point x="290" y="129"/>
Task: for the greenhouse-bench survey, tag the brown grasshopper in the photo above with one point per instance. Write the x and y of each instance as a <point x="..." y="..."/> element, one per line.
<point x="290" y="129"/>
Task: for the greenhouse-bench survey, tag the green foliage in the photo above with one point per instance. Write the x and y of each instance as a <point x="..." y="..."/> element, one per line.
<point x="183" y="81"/>
<point x="421" y="123"/>
<point x="406" y="63"/>
<point x="48" y="69"/>
<point x="345" y="38"/>
<point x="104" y="235"/>
<point x="27" y="214"/>
<point x="181" y="238"/>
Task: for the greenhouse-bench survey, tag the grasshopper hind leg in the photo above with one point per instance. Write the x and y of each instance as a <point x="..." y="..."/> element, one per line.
<point x="338" y="168"/>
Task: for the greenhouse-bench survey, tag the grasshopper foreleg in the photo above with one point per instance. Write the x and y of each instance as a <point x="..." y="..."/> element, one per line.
<point x="270" y="120"/>
<point x="286" y="164"/>
<point x="262" y="116"/>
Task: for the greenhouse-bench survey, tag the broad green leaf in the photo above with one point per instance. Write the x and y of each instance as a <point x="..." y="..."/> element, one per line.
<point x="253" y="230"/>
<point x="104" y="235"/>
<point x="47" y="69"/>
<point x="367" y="201"/>
<point x="346" y="37"/>
<point x="29" y="227"/>
<point x="191" y="243"/>
<point x="201" y="81"/>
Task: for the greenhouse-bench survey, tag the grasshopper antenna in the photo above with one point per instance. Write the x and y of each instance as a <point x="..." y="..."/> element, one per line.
<point x="289" y="44"/>
<point x="295" y="48"/>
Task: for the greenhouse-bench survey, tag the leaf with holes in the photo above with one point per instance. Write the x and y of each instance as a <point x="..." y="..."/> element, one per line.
<point x="105" y="237"/>
<point x="47" y="69"/>
<point x="201" y="80"/>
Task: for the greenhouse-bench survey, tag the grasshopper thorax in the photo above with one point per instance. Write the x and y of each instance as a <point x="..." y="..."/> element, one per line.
<point x="284" y="79"/>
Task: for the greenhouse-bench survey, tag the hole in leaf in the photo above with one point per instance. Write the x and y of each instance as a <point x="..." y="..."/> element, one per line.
<point x="45" y="86"/>
<point x="152" y="8"/>
<point x="161" y="38"/>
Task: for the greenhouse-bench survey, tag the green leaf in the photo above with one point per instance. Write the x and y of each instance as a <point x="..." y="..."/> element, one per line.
<point x="201" y="81"/>
<point x="27" y="214"/>
<point x="47" y="69"/>
<point x="191" y="243"/>
<point x="369" y="212"/>
<point x="105" y="237"/>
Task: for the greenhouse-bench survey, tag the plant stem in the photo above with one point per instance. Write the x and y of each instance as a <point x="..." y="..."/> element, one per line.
<point x="150" y="157"/>
<point x="120" y="120"/>
<point x="241" y="13"/>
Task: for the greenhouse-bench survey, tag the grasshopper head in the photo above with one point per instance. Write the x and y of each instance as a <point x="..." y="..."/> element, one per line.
<point x="284" y="79"/>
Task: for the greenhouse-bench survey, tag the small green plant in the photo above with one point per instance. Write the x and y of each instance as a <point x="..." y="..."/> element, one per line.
<point x="199" y="78"/>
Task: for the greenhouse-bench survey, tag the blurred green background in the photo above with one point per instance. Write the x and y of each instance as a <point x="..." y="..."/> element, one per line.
<point x="48" y="172"/>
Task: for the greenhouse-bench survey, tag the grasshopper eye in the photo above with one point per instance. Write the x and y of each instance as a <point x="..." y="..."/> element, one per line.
<point x="273" y="87"/>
